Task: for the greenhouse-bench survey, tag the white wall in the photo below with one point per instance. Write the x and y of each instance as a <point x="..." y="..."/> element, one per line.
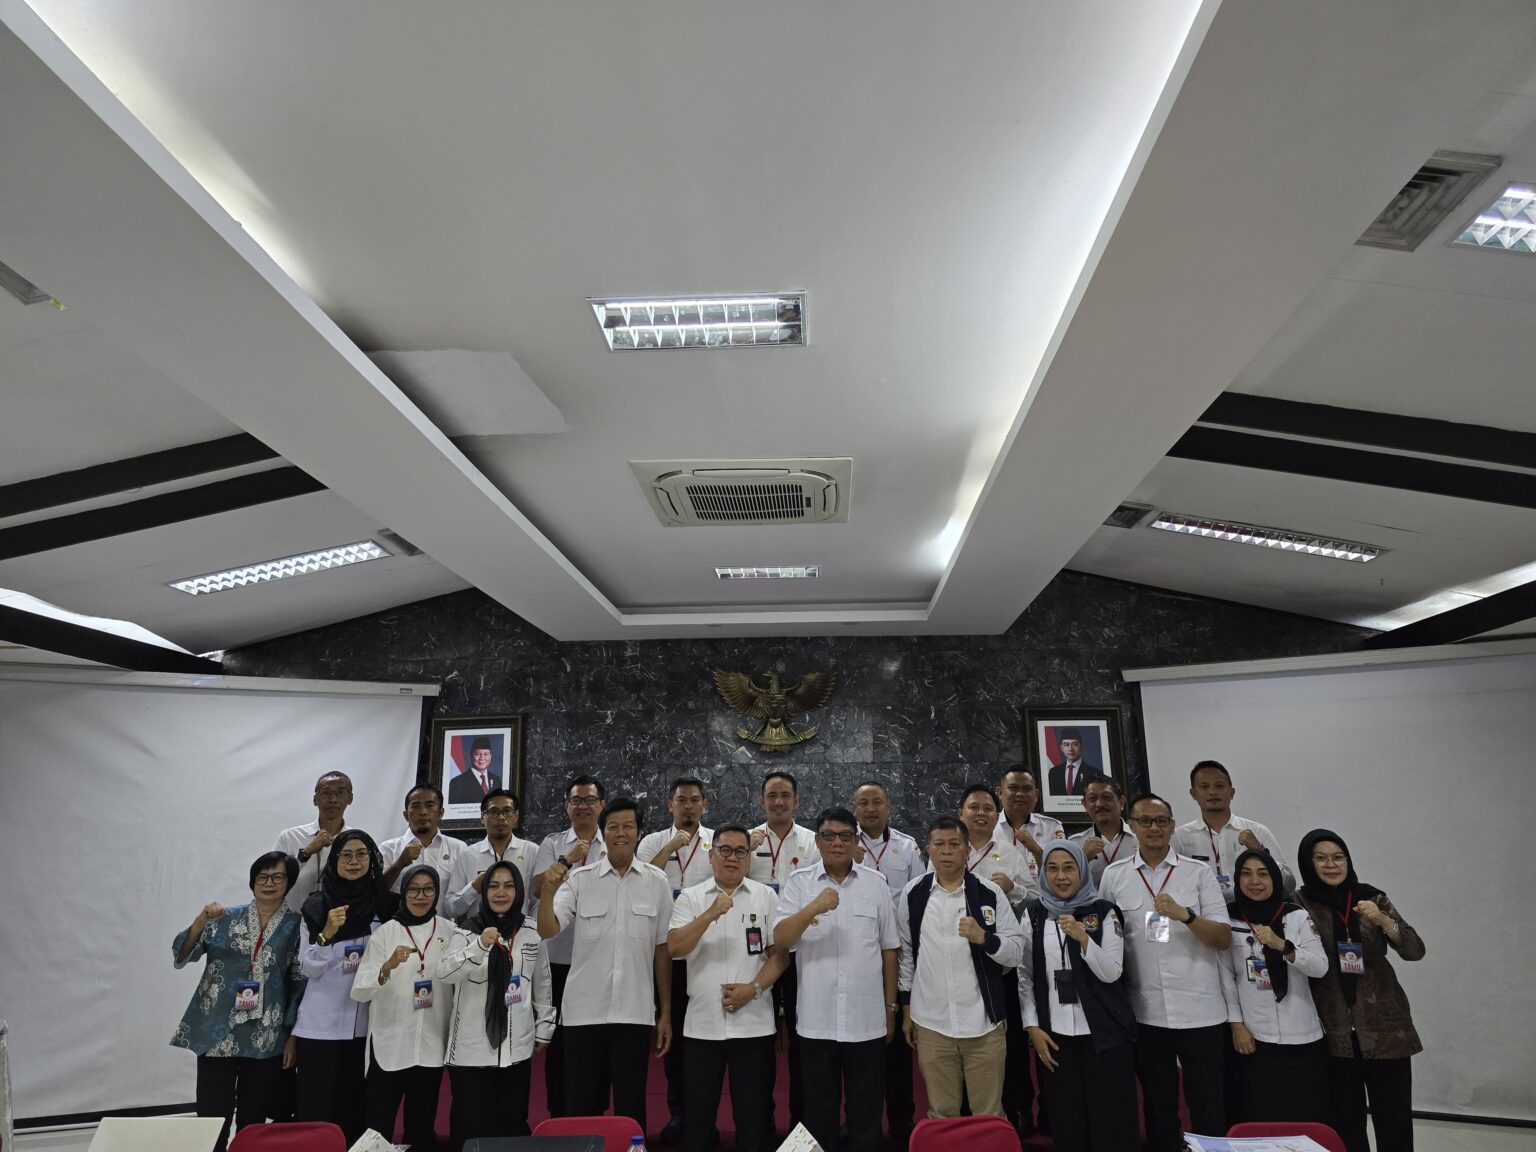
<point x="1426" y="771"/>
<point x="124" y="808"/>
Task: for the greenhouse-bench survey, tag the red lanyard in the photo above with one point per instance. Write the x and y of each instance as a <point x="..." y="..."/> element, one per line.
<point x="1344" y="917"/>
<point x="979" y="859"/>
<point x="773" y="853"/>
<point x="870" y="848"/>
<point x="1215" y="849"/>
<point x="1278" y="912"/>
<point x="682" y="869"/>
<point x="421" y="952"/>
<point x="1109" y="857"/>
<point x="1142" y="872"/>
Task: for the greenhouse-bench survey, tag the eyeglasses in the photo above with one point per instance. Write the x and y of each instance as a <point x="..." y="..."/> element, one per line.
<point x="732" y="853"/>
<point x="835" y="837"/>
<point x="271" y="879"/>
<point x="505" y="812"/>
<point x="421" y="892"/>
<point x="353" y="857"/>
<point x="1152" y="821"/>
<point x="583" y="801"/>
<point x="1331" y="861"/>
<point x="332" y="793"/>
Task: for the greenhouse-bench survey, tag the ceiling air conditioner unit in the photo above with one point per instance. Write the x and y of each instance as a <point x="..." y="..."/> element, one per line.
<point x="704" y="493"/>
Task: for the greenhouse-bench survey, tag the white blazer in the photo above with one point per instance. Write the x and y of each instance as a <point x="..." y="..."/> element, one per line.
<point x="400" y="1035"/>
<point x="531" y="1019"/>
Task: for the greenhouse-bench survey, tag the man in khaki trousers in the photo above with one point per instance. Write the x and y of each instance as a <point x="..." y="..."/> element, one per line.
<point x="960" y="942"/>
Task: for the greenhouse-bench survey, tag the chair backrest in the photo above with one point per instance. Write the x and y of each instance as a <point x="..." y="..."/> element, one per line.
<point x="616" y="1131"/>
<point x="1321" y="1133"/>
<point x="973" y="1133"/>
<point x="289" y="1138"/>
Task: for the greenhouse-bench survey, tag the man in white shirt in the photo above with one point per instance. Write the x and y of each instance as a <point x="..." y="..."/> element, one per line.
<point x="682" y="852"/>
<point x="619" y="992"/>
<point x="989" y="856"/>
<point x="1176" y="929"/>
<point x="722" y="931"/>
<point x="895" y="856"/>
<point x="1110" y="839"/>
<point x="1217" y="837"/>
<point x="310" y="844"/>
<point x="499" y="815"/>
<point x="1029" y="831"/>
<point x="839" y="921"/>
<point x="581" y="843"/>
<point x="781" y="847"/>
<point x="960" y="943"/>
<point x="424" y="844"/>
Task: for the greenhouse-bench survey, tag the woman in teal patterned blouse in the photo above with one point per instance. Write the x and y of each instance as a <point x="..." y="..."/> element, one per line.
<point x="241" y="1016"/>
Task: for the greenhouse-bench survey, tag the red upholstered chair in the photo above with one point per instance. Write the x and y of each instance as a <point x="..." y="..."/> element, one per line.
<point x="289" y="1138"/>
<point x="1321" y="1133"/>
<point x="973" y="1133"/>
<point x="616" y="1131"/>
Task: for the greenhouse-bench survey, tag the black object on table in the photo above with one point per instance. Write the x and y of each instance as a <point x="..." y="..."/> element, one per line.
<point x="534" y="1144"/>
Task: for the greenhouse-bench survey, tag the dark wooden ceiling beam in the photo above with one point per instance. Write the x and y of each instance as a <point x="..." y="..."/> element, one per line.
<point x="156" y="511"/>
<point x="69" y="639"/>
<point x="131" y="473"/>
<point x="1497" y="611"/>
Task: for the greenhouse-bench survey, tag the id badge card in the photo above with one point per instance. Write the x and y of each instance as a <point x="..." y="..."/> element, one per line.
<point x="1066" y="986"/>
<point x="1351" y="958"/>
<point x="247" y="995"/>
<point x="774" y="886"/>
<point x="754" y="940"/>
<point x="1226" y="885"/>
<point x="676" y="892"/>
<point x="351" y="955"/>
<point x="514" y="994"/>
<point x="1258" y="973"/>
<point x="1157" y="930"/>
<point x="421" y="994"/>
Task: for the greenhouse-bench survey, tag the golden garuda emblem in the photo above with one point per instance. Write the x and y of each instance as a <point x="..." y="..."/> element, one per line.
<point x="775" y="706"/>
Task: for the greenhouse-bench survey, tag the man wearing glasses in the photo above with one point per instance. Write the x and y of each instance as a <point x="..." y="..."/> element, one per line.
<point x="839" y="921"/>
<point x="310" y="844"/>
<point x="581" y="843"/>
<point x="723" y="931"/>
<point x="1175" y="927"/>
<point x="499" y="814"/>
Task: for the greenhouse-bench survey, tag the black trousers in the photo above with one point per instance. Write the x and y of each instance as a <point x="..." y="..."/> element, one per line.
<point x="554" y="1055"/>
<point x="488" y="1102"/>
<point x="1160" y="1053"/>
<point x="750" y="1061"/>
<point x="899" y="1108"/>
<point x="784" y="994"/>
<point x="1388" y="1085"/>
<point x="330" y="1085"/>
<point x="238" y="1086"/>
<point x="1018" y="1088"/>
<point x="1092" y="1096"/>
<point x="418" y="1087"/>
<point x="604" y="1058"/>
<point x="850" y="1075"/>
<point x="1286" y="1082"/>
<point x="672" y="1062"/>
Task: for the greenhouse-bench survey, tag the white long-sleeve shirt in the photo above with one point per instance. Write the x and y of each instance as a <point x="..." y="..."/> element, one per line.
<point x="531" y="1019"/>
<point x="449" y="858"/>
<point x="1251" y="1001"/>
<point x="1106" y="961"/>
<point x="327" y="1011"/>
<point x="400" y="1035"/>
<point x="290" y="840"/>
<point x="945" y="994"/>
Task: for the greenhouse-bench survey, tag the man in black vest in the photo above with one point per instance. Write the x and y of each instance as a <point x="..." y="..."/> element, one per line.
<point x="960" y="943"/>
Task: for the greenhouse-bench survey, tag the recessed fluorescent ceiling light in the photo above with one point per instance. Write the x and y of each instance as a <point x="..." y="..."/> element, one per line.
<point x="743" y="321"/>
<point x="775" y="572"/>
<point x="270" y="570"/>
<point x="1266" y="537"/>
<point x="1506" y="225"/>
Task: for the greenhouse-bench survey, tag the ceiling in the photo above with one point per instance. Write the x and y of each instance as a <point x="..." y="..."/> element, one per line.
<point x="1036" y="244"/>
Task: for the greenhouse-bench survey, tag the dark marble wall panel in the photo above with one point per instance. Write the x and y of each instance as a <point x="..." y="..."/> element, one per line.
<point x="927" y="715"/>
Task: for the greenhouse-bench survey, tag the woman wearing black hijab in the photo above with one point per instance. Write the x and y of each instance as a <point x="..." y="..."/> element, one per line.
<point x="502" y="1013"/>
<point x="332" y="1029"/>
<point x="1275" y="1029"/>
<point x="1364" y="1012"/>
<point x="409" y="1007"/>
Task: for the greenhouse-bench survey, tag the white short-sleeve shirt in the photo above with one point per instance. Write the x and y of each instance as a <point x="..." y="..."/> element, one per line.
<point x="1116" y="848"/>
<point x="520" y="854"/>
<point x="895" y="856"/>
<point x="838" y="961"/>
<point x="684" y="868"/>
<point x="1220" y="849"/>
<point x="723" y="956"/>
<point x="774" y="862"/>
<point x="619" y="920"/>
<point x="449" y="858"/>
<point x="556" y="844"/>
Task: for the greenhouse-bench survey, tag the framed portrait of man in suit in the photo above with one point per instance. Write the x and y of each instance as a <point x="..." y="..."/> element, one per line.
<point x="470" y="757"/>
<point x="1068" y="747"/>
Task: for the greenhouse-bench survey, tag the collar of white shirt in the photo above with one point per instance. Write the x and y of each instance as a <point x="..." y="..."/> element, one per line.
<point x="1168" y="861"/>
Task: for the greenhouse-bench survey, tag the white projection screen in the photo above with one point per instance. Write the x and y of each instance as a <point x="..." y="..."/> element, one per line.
<point x="129" y="803"/>
<point x="1425" y="768"/>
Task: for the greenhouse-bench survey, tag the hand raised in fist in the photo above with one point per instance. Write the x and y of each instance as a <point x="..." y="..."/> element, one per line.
<point x="213" y="911"/>
<point x="724" y="902"/>
<point x="972" y="930"/>
<point x="759" y="837"/>
<point x="489" y="937"/>
<point x="826" y="900"/>
<point x="334" y="919"/>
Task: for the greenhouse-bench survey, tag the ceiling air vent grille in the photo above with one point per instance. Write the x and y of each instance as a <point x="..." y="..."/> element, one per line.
<point x="705" y="493"/>
<point x="1427" y="199"/>
<point x="1128" y="515"/>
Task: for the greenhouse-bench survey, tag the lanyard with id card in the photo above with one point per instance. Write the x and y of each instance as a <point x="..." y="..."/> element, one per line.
<point x="1351" y="954"/>
<point x="352" y="955"/>
<point x="754" y="936"/>
<point x="1157" y="930"/>
<point x="514" y="993"/>
<point x="1258" y="973"/>
<point x="248" y="991"/>
<point x="1064" y="977"/>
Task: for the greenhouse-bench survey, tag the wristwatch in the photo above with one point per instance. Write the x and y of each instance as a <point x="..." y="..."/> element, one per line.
<point x="757" y="990"/>
<point x="1193" y="916"/>
<point x="303" y="855"/>
<point x="562" y="861"/>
